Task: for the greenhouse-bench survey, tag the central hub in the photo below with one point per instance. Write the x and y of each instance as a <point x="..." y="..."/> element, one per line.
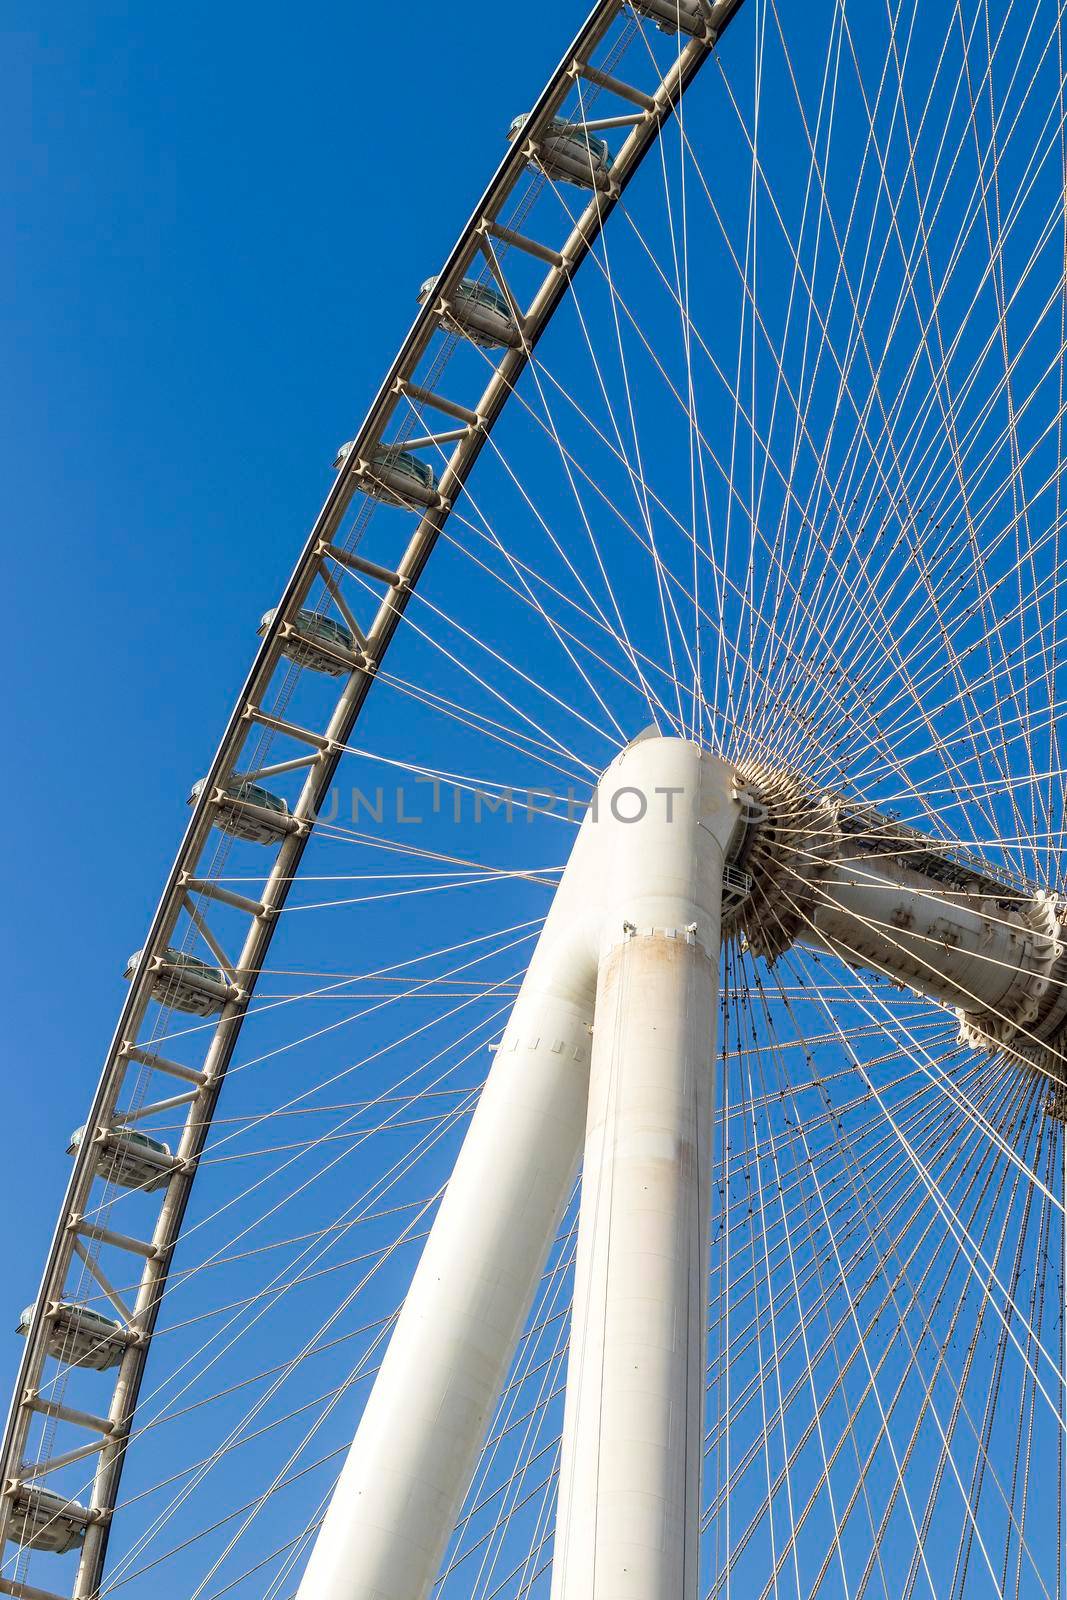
<point x="845" y="878"/>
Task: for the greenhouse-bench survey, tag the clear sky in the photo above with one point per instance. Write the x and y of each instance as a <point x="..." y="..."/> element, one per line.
<point x="215" y="224"/>
<point x="197" y="302"/>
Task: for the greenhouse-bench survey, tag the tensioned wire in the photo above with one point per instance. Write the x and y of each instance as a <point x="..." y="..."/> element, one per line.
<point x="363" y="1134"/>
<point x="943" y="1112"/>
<point x="1043" y="1124"/>
<point x="1008" y="671"/>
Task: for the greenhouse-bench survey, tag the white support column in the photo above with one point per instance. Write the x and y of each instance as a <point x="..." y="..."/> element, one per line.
<point x="629" y="1508"/>
<point x="628" y="1520"/>
<point x="651" y="854"/>
<point x="400" y="1492"/>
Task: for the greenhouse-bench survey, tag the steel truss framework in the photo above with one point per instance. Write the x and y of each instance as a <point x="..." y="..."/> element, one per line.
<point x="847" y="882"/>
<point x="187" y="894"/>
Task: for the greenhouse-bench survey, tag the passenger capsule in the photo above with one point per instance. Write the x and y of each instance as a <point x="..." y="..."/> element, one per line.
<point x="398" y="477"/>
<point x="670" y="15"/>
<point x="247" y="811"/>
<point x="315" y="641"/>
<point x="79" y="1335"/>
<point x="43" y="1520"/>
<point x="129" y="1158"/>
<point x="184" y="982"/>
<point x="480" y="311"/>
<point x="567" y="152"/>
<point x="394" y="474"/>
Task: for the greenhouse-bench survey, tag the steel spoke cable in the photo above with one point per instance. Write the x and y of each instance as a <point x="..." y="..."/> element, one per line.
<point x="899" y="302"/>
<point x="975" y="1259"/>
<point x="876" y="1271"/>
<point x="636" y="469"/>
<point x="553" y="627"/>
<point x="891" y="1163"/>
<point x="1027" y="1100"/>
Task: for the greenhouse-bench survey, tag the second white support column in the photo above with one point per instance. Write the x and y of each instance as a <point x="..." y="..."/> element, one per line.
<point x="628" y="1518"/>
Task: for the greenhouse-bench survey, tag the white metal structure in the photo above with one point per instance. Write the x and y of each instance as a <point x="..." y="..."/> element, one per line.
<point x="765" y="1012"/>
<point x="628" y="954"/>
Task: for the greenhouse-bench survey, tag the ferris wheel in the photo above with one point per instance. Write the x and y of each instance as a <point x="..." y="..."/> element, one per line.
<point x="587" y="1118"/>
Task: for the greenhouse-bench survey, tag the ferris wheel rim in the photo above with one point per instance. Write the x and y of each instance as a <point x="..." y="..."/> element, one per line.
<point x="123" y="1049"/>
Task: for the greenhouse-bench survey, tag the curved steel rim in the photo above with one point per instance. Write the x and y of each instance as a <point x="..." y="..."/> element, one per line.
<point x="651" y="111"/>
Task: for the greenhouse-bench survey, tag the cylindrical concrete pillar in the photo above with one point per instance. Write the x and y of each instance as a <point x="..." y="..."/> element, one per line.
<point x="648" y="856"/>
<point x="628" y="1522"/>
<point x="402" y="1485"/>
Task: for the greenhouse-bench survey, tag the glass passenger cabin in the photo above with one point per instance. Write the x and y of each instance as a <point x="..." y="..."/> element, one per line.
<point x="247" y="811"/>
<point x="131" y="1159"/>
<point x="567" y="153"/>
<point x="479" y="311"/>
<point x="316" y="641"/>
<point x="79" y="1335"/>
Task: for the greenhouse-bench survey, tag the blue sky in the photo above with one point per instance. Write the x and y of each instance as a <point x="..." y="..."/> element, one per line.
<point x="217" y="226"/>
<point x="200" y="222"/>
